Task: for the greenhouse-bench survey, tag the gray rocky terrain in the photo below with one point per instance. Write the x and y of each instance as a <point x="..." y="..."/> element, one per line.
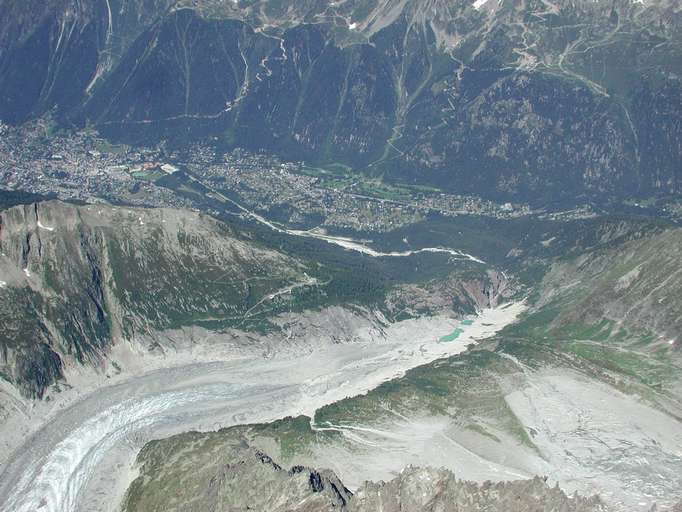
<point x="77" y="278"/>
<point x="208" y="473"/>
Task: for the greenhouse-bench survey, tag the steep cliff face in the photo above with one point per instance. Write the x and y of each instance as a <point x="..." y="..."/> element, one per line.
<point x="531" y="100"/>
<point x="462" y="294"/>
<point x="76" y="279"/>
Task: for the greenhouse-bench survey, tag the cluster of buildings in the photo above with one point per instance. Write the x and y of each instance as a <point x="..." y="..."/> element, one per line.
<point x="291" y="192"/>
<point x="82" y="166"/>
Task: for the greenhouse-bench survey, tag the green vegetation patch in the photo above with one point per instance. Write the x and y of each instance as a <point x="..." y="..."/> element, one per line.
<point x="294" y="436"/>
<point x="465" y="388"/>
<point x="641" y="367"/>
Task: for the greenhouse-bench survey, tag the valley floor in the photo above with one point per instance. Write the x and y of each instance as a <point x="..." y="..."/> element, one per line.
<point x="66" y="460"/>
<point x="586" y="435"/>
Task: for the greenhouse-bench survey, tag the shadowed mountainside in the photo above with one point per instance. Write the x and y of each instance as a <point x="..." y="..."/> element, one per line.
<point x="533" y="100"/>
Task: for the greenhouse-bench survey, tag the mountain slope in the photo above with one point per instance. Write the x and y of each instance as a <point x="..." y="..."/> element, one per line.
<point x="534" y="100"/>
<point x="634" y="286"/>
<point x="247" y="479"/>
<point x="583" y="389"/>
<point x="75" y="279"/>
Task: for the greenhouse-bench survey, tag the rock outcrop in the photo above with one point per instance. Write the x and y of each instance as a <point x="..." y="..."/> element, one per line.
<point x="239" y="477"/>
<point x="76" y="279"/>
<point x="196" y="471"/>
<point x="431" y="490"/>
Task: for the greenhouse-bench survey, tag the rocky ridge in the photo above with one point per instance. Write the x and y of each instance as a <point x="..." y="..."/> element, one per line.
<point x="76" y="279"/>
<point x="205" y="474"/>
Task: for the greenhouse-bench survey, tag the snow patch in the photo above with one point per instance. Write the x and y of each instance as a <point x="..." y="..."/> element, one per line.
<point x="27" y="272"/>
<point x="46" y="228"/>
<point x="479" y="3"/>
<point x="3" y="284"/>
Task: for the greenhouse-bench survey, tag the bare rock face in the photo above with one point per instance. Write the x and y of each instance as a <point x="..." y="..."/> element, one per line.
<point x="220" y="473"/>
<point x="76" y="279"/>
<point x="452" y="294"/>
<point x="437" y="490"/>
<point x="205" y="475"/>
